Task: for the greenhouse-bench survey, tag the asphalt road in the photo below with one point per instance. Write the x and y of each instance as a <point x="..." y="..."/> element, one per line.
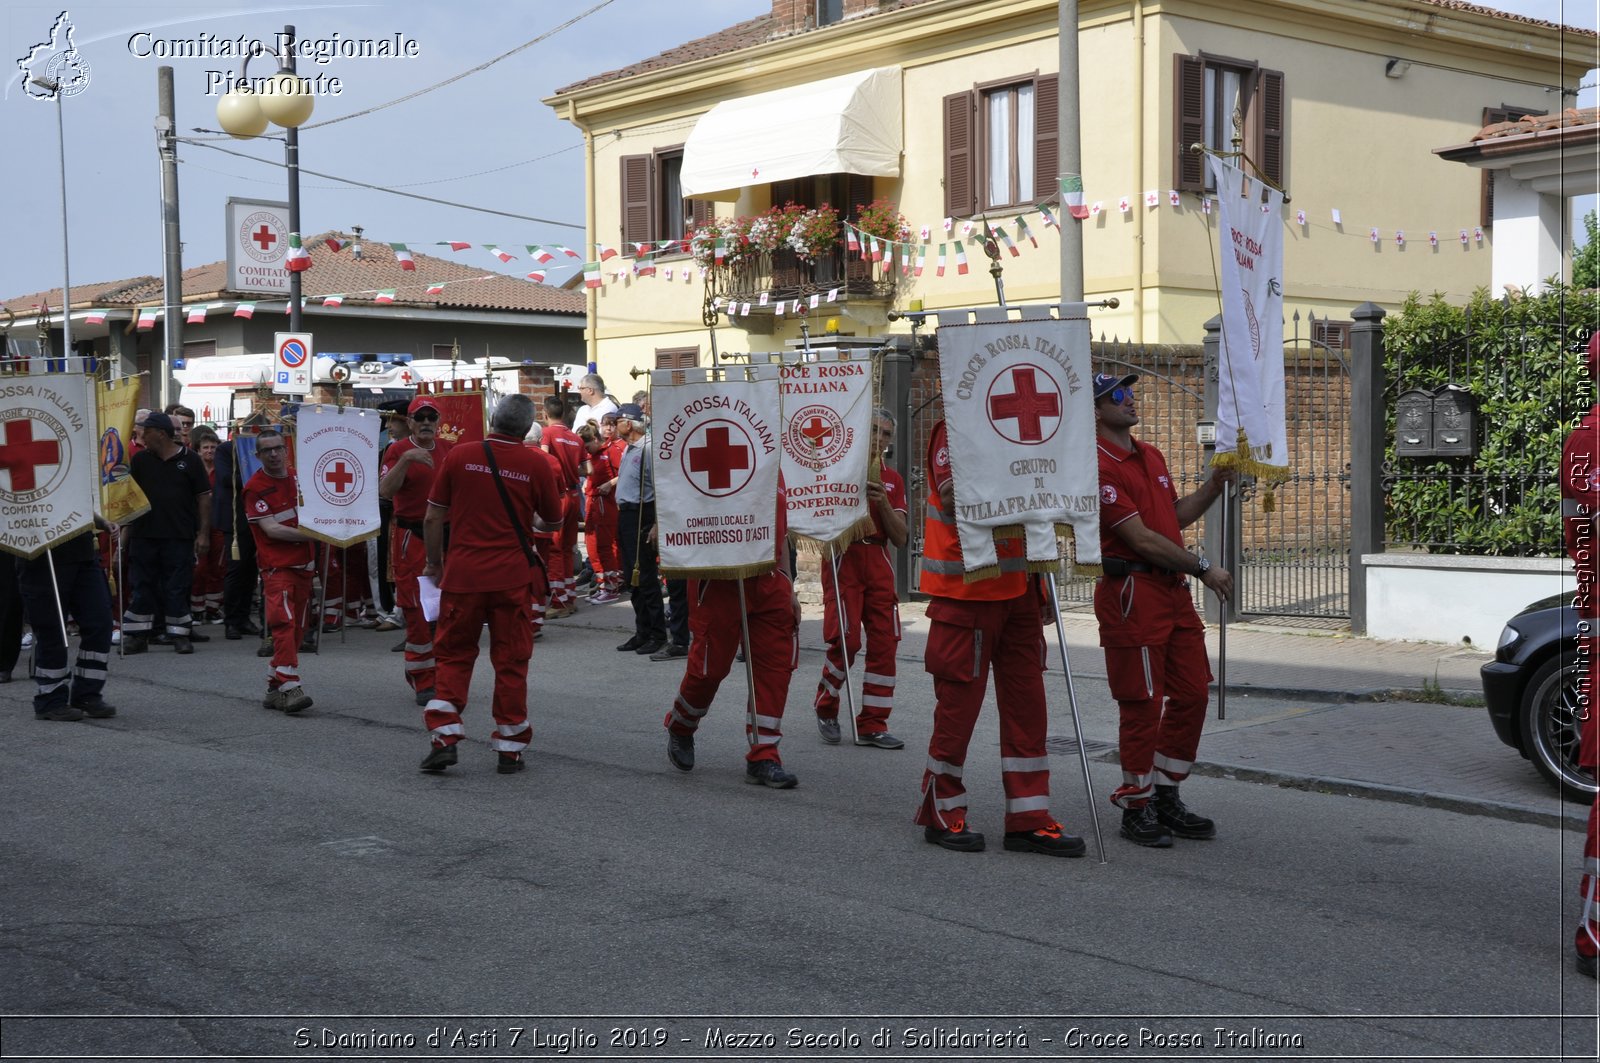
<point x="202" y="878"/>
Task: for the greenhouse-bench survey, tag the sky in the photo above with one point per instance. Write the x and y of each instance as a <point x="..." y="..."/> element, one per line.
<point x="482" y="141"/>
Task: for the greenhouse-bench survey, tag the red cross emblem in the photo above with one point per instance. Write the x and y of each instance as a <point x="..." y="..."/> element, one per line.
<point x="340" y="477"/>
<point x="717" y="457"/>
<point x="264" y="237"/>
<point x="817" y="431"/>
<point x="405" y="376"/>
<point x="22" y="455"/>
<point x="1037" y="412"/>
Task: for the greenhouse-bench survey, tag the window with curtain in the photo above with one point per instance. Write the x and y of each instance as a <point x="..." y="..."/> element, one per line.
<point x="1009" y="133"/>
<point x="1209" y="89"/>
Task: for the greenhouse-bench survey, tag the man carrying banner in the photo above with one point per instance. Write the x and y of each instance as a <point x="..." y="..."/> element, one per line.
<point x="1580" y="519"/>
<point x="1154" y="640"/>
<point x="994" y="622"/>
<point x="490" y="493"/>
<point x="865" y="579"/>
<point x="84" y="596"/>
<point x="406" y="478"/>
<point x="287" y="557"/>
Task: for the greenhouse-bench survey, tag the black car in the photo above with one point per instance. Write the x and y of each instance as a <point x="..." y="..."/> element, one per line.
<point x="1532" y="690"/>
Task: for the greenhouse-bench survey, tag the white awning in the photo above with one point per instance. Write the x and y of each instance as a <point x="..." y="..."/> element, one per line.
<point x="845" y="124"/>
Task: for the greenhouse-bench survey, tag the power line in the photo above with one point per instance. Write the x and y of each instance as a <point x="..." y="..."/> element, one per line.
<point x="381" y="188"/>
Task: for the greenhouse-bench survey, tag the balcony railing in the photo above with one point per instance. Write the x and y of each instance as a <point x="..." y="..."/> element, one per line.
<point x="783" y="274"/>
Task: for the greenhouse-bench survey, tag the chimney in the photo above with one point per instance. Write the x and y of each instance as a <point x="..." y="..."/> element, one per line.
<point x="792" y="16"/>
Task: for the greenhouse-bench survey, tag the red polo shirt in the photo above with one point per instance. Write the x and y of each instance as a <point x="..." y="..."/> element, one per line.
<point x="485" y="553"/>
<point x="566" y="446"/>
<point x="277" y="497"/>
<point x="1135" y="483"/>
<point x="411" y="501"/>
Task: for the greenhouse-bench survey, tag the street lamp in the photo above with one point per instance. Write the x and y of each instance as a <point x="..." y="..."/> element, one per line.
<point x="285" y="100"/>
<point x="54" y="87"/>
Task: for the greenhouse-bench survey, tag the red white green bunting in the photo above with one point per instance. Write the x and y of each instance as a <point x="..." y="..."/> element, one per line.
<point x="402" y="255"/>
<point x="297" y="261"/>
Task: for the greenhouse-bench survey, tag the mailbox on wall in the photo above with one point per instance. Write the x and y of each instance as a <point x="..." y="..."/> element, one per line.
<point x="1436" y="424"/>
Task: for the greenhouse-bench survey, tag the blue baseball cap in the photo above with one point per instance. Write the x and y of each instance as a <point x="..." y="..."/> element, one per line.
<point x="1105" y="382"/>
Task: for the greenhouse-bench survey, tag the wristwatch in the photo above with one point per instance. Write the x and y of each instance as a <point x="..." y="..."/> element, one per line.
<point x="1202" y="565"/>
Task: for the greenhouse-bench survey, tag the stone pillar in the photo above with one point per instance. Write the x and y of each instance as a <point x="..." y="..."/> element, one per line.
<point x="1367" y="418"/>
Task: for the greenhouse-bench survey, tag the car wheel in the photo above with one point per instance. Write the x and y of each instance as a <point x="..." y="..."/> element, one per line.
<point x="1550" y="728"/>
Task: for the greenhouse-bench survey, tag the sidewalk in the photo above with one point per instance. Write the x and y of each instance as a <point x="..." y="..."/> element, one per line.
<point x="1305" y="709"/>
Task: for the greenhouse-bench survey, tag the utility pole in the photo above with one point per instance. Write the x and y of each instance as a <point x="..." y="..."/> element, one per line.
<point x="1070" y="152"/>
<point x="171" y="242"/>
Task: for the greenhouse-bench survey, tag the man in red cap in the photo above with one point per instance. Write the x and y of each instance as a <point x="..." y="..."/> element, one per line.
<point x="406" y="478"/>
<point x="287" y="557"/>
<point x="1580" y="523"/>
<point x="1154" y="641"/>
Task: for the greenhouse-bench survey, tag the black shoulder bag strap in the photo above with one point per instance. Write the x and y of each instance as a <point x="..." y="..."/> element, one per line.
<point x="505" y="496"/>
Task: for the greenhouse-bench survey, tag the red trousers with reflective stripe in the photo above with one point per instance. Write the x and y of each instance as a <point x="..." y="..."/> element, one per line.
<point x="407" y="558"/>
<point x="714" y="637"/>
<point x="1160" y="683"/>
<point x="558" y="560"/>
<point x="866" y="581"/>
<point x="461" y="620"/>
<point x="287" y="594"/>
<point x="600" y="537"/>
<point x="965" y="640"/>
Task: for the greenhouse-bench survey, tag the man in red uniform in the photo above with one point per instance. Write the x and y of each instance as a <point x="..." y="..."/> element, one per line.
<point x="600" y="510"/>
<point x="866" y="580"/>
<point x="545" y="537"/>
<point x="1154" y="641"/>
<point x="996" y="622"/>
<point x="563" y="444"/>
<point x="1580" y="520"/>
<point x="490" y="493"/>
<point x="772" y="612"/>
<point x="405" y="478"/>
<point x="287" y="557"/>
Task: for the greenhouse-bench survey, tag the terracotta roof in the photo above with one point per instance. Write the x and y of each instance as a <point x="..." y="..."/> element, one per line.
<point x="359" y="280"/>
<point x="761" y="29"/>
<point x="1539" y="123"/>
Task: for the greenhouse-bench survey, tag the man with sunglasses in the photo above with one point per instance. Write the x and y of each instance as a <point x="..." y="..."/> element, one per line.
<point x="287" y="557"/>
<point x="1154" y="640"/>
<point x="406" y="478"/>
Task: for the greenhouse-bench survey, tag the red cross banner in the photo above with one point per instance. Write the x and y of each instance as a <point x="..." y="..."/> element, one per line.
<point x="47" y="460"/>
<point x="716" y="455"/>
<point x="1252" y="429"/>
<point x="827" y="447"/>
<point x="1019" y="411"/>
<point x="462" y="410"/>
<point x="336" y="461"/>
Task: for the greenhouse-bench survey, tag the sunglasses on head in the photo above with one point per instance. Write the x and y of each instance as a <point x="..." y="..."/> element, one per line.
<point x="425" y="415"/>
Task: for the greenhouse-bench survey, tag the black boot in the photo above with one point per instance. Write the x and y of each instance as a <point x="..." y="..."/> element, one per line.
<point x="1179" y="820"/>
<point x="1140" y="826"/>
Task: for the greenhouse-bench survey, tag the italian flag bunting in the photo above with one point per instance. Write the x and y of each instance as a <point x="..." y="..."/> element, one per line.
<point x="297" y="261"/>
<point x="455" y="245"/>
<point x="852" y="241"/>
<point x="497" y="253"/>
<point x="1025" y="233"/>
<point x="147" y="320"/>
<point x="644" y="267"/>
<point x="435" y="289"/>
<point x="537" y="275"/>
<point x="540" y="255"/>
<point x="402" y="255"/>
<point x="591" y="275"/>
<point x="961" y="258"/>
<point x="922" y="259"/>
<point x="385" y="296"/>
<point x="1072" y="196"/>
<point x="245" y="310"/>
<point x="98" y="317"/>
<point x="569" y="252"/>
<point x="333" y="300"/>
<point x="606" y="252"/>
<point x="720" y="251"/>
<point x="197" y="314"/>
<point x="1049" y="219"/>
<point x="873" y="250"/>
<point x="1005" y="238"/>
<point x="335" y="245"/>
<point x="939" y="267"/>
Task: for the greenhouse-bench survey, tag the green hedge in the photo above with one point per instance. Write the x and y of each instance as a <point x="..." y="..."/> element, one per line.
<point x="1522" y="361"/>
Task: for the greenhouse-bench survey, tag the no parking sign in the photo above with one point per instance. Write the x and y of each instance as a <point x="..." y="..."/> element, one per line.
<point x="291" y="367"/>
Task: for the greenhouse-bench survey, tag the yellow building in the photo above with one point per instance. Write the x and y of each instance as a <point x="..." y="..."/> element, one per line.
<point x="1341" y="101"/>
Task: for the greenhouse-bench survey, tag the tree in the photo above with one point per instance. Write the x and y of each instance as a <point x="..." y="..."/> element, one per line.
<point x="1586" y="259"/>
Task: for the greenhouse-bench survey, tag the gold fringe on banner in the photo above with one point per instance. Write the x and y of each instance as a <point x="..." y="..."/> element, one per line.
<point x="1249" y="465"/>
<point x="731" y="572"/>
<point x="835" y="547"/>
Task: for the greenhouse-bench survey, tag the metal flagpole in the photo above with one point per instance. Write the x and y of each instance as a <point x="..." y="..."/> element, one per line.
<point x="61" y="614"/>
<point x="749" y="666"/>
<point x="122" y="590"/>
<point x="1222" y="613"/>
<point x="344" y="578"/>
<point x="1077" y="722"/>
<point x="844" y="647"/>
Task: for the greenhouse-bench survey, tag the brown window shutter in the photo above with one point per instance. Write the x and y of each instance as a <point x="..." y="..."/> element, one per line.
<point x="860" y="194"/>
<point x="1046" y="125"/>
<point x="960" y="195"/>
<point x="1189" y="123"/>
<point x="636" y="219"/>
<point x="701" y="211"/>
<point x="1272" y="125"/>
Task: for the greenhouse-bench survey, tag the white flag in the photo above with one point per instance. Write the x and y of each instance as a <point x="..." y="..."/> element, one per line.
<point x="336" y="458"/>
<point x="1250" y="405"/>
<point x="1019" y="410"/>
<point x="716" y="457"/>
<point x="827" y="447"/>
<point x="49" y="470"/>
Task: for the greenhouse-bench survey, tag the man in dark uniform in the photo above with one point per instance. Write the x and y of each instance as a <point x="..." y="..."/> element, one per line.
<point x="64" y="696"/>
<point x="165" y="541"/>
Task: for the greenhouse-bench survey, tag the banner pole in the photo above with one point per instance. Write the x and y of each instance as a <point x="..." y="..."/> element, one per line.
<point x="344" y="578"/>
<point x="117" y="581"/>
<point x="749" y="667"/>
<point x="1077" y="722"/>
<point x="61" y="614"/>
<point x="1222" y="614"/>
<point x="844" y="647"/>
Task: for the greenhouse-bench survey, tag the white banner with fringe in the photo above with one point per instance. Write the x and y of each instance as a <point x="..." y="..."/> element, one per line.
<point x="827" y="446"/>
<point x="716" y="459"/>
<point x="48" y="461"/>
<point x="1019" y="411"/>
<point x="336" y="458"/>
